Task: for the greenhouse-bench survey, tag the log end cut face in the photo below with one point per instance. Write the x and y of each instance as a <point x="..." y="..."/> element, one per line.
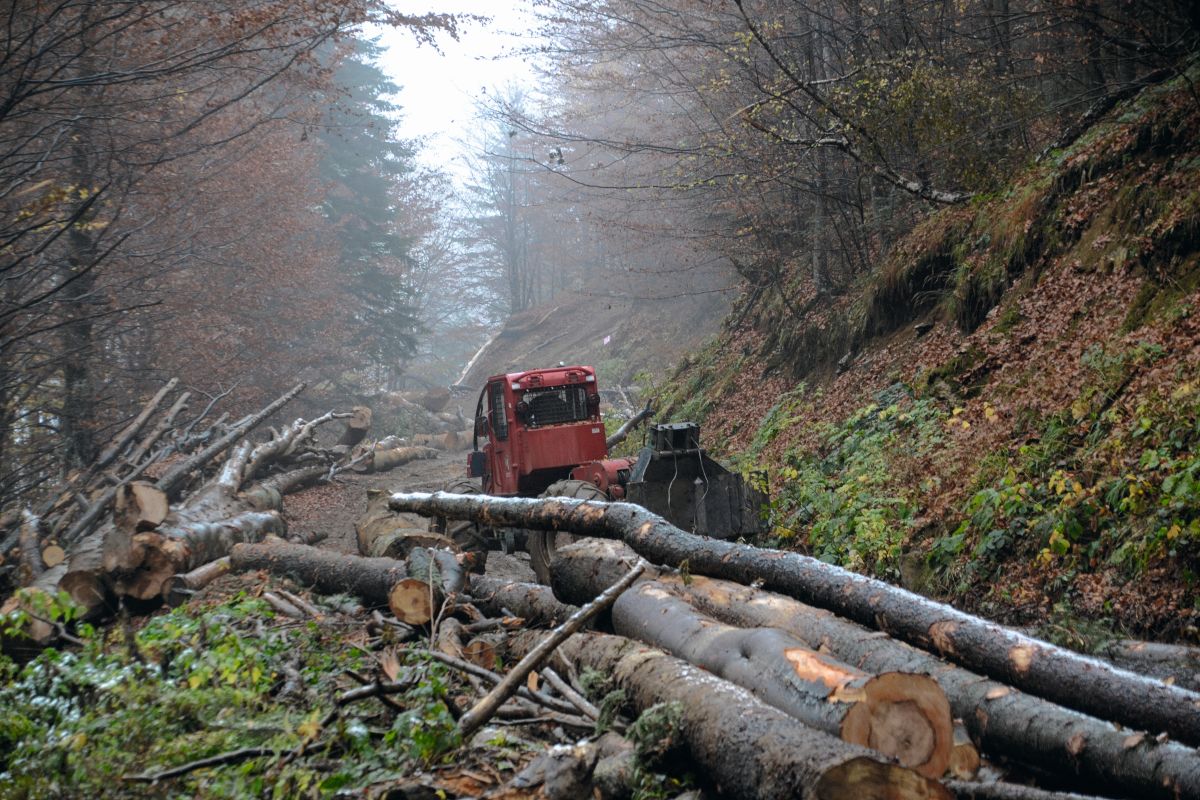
<point x="411" y="601"/>
<point x="906" y="716"/>
<point x="868" y="779"/>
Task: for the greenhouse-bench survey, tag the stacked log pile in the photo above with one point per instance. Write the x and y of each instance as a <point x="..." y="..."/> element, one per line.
<point x="167" y="497"/>
<point x="808" y="641"/>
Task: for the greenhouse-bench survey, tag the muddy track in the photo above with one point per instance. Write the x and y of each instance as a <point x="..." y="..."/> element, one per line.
<point x="331" y="509"/>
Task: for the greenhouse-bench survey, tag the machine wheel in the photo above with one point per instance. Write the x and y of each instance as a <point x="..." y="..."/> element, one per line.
<point x="543" y="544"/>
<point x="464" y="533"/>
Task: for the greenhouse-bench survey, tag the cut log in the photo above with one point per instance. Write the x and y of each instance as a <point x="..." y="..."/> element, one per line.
<point x="481" y="652"/>
<point x="382" y="532"/>
<point x="53" y="555"/>
<point x="1175" y="663"/>
<point x="749" y="749"/>
<point x="414" y="601"/>
<point x="324" y="570"/>
<point x="372" y="579"/>
<point x="268" y="494"/>
<point x="139" y="506"/>
<point x="537" y="655"/>
<point x="178" y="589"/>
<point x="433" y="575"/>
<point x="1037" y="667"/>
<point x="1002" y="721"/>
<point x="175" y="549"/>
<point x="84" y="578"/>
<point x="356" y="427"/>
<point x="900" y="714"/>
<point x="535" y="603"/>
<point x="32" y="565"/>
<point x="384" y="460"/>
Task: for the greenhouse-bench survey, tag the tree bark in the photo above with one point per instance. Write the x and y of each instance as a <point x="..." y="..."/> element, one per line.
<point x="324" y="570"/>
<point x="903" y="715"/>
<point x="1034" y="666"/>
<point x="384" y="460"/>
<point x="1169" y="662"/>
<point x="384" y="533"/>
<point x="356" y="427"/>
<point x="748" y="748"/>
<point x="160" y="555"/>
<point x="535" y="603"/>
<point x="1002" y="721"/>
<point x="178" y="589"/>
<point x="372" y="579"/>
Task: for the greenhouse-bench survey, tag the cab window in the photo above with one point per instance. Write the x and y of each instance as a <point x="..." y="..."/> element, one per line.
<point x="499" y="418"/>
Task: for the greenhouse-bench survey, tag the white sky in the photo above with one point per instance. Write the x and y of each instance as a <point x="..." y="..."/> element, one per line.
<point x="439" y="89"/>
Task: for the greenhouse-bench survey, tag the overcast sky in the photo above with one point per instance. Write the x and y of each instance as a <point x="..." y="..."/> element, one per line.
<point x="439" y="89"/>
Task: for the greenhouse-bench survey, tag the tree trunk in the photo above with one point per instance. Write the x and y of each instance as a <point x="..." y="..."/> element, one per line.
<point x="356" y="427"/>
<point x="140" y="506"/>
<point x="900" y="714"/>
<point x="324" y="570"/>
<point x="373" y="579"/>
<point x="749" y="749"/>
<point x="384" y="533"/>
<point x="1168" y="662"/>
<point x="535" y="603"/>
<point x="384" y="460"/>
<point x="1032" y="665"/>
<point x="160" y="555"/>
<point x="178" y="589"/>
<point x="1003" y="721"/>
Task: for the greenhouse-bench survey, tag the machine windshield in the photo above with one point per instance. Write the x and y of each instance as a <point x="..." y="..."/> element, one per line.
<point x="554" y="405"/>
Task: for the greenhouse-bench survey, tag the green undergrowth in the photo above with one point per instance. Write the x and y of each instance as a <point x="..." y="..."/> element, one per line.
<point x="1095" y="488"/>
<point x="846" y="502"/>
<point x="1070" y="501"/>
<point x="194" y="684"/>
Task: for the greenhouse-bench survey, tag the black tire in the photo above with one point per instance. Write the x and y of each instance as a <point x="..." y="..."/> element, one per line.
<point x="542" y="545"/>
<point x="465" y="533"/>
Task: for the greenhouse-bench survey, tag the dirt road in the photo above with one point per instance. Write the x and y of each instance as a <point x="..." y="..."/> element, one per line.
<point x="332" y="509"/>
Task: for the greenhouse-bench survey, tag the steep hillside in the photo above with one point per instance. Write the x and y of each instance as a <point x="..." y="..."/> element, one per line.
<point x="620" y="336"/>
<point x="1006" y="413"/>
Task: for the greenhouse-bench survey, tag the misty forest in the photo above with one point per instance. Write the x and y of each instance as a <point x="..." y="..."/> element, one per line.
<point x="683" y="399"/>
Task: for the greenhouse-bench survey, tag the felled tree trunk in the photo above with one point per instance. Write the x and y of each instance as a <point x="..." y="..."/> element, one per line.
<point x="1168" y="662"/>
<point x="384" y="460"/>
<point x="900" y="714"/>
<point x="373" y="579"/>
<point x="750" y="749"/>
<point x="37" y="632"/>
<point x="172" y="550"/>
<point x="432" y="576"/>
<point x="1003" y="721"/>
<point x="384" y="533"/>
<point x="1037" y="667"/>
<point x="534" y="603"/>
<point x="356" y="427"/>
<point x="178" y="589"/>
<point x="140" y="506"/>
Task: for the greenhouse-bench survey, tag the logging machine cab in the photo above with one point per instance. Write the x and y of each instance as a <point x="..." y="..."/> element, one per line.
<point x="534" y="428"/>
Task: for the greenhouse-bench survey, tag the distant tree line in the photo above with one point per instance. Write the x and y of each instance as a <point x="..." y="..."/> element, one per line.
<point x="209" y="190"/>
<point x="679" y="146"/>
